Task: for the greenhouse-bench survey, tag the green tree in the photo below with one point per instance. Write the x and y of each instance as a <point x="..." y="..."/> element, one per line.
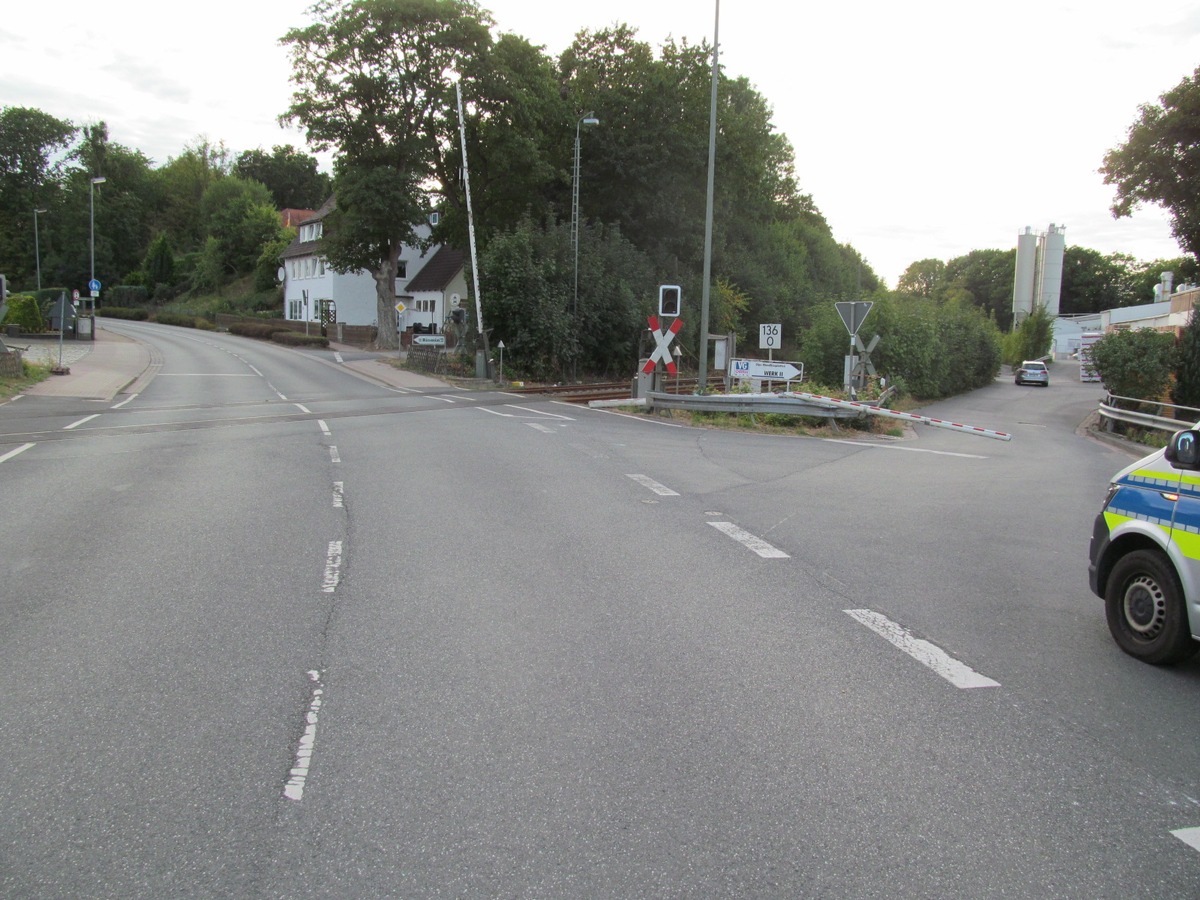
<point x="1186" y="389"/>
<point x="31" y="170"/>
<point x="1159" y="162"/>
<point x="291" y="176"/>
<point x="240" y="215"/>
<point x="1135" y="364"/>
<point x="1091" y="282"/>
<point x="159" y="264"/>
<point x="987" y="277"/>
<point x="1031" y="339"/>
<point x="182" y="183"/>
<point x="922" y="278"/>
<point x="371" y="84"/>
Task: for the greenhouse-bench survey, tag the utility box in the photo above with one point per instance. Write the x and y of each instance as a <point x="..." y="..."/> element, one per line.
<point x="85" y="328"/>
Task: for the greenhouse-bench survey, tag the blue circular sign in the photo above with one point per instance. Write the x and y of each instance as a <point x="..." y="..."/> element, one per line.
<point x="93" y="285"/>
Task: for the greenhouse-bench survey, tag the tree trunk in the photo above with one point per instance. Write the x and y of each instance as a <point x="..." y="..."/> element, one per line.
<point x="385" y="299"/>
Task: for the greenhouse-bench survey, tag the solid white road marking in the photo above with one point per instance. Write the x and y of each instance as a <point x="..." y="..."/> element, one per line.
<point x="958" y="674"/>
<point x="539" y="412"/>
<point x="324" y="428"/>
<point x="81" y="421"/>
<point x="128" y="399"/>
<point x="11" y="453"/>
<point x="648" y="482"/>
<point x="749" y="541"/>
<point x="867" y="446"/>
<point x="1190" y="836"/>
<point x="544" y="429"/>
<point x="294" y="789"/>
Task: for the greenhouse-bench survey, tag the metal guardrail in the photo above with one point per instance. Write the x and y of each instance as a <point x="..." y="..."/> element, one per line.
<point x="1110" y="412"/>
<point x="749" y="403"/>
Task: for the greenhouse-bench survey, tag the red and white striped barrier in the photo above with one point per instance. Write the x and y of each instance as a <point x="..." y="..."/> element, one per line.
<point x="909" y="417"/>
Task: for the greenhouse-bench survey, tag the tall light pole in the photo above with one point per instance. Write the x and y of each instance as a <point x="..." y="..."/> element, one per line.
<point x="588" y="119"/>
<point x="92" y="206"/>
<point x="37" y="250"/>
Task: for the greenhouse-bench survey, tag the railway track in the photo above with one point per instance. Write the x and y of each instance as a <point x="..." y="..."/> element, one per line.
<point x="605" y="390"/>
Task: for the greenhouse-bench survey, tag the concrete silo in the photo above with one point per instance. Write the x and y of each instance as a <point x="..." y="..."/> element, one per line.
<point x="1027" y="246"/>
<point x="1051" y="248"/>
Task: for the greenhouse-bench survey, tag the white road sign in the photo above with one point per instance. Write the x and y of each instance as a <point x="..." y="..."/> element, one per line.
<point x="766" y="370"/>
<point x="429" y="340"/>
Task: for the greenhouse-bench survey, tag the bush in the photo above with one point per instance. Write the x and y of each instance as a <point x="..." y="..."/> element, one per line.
<point x="23" y="310"/>
<point x="1135" y="364"/>
<point x="128" y="295"/>
<point x="261" y="330"/>
<point x="121" y="312"/>
<point x="296" y="339"/>
<point x="182" y="320"/>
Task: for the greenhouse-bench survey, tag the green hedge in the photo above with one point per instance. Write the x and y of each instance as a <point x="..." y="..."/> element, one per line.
<point x="184" y="321"/>
<point x="296" y="339"/>
<point x="23" y="310"/>
<point x="261" y="330"/>
<point x="128" y="295"/>
<point x="122" y="312"/>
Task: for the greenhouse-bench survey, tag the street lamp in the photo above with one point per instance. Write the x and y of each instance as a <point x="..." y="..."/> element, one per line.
<point x="37" y="250"/>
<point x="588" y="119"/>
<point x="92" y="207"/>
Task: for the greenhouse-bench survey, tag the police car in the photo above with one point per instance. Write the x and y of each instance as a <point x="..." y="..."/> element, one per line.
<point x="1145" y="553"/>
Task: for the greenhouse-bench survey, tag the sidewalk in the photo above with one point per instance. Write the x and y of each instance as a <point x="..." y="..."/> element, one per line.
<point x="107" y="366"/>
<point x="100" y="369"/>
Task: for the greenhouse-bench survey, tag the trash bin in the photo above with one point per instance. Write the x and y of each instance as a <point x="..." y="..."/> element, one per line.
<point x="85" y="328"/>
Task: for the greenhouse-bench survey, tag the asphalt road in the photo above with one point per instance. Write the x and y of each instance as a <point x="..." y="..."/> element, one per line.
<point x="269" y="630"/>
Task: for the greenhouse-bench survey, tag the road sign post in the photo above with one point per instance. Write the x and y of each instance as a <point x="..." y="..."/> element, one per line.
<point x="769" y="338"/>
<point x="853" y="313"/>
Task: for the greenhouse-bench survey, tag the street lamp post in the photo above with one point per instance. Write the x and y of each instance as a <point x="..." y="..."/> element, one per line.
<point x="92" y="209"/>
<point x="589" y="119"/>
<point x="37" y="250"/>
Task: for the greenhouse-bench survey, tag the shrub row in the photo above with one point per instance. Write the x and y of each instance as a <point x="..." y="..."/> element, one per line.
<point x="122" y="312"/>
<point x="184" y="321"/>
<point x="296" y="339"/>
<point x="261" y="330"/>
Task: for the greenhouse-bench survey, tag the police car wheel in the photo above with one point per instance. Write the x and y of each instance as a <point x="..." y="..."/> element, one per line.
<point x="1144" y="607"/>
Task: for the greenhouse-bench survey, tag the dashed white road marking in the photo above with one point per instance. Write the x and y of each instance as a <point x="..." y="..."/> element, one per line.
<point x="338" y="356"/>
<point x="254" y="370"/>
<point x="537" y="426"/>
<point x="540" y="412"/>
<point x="298" y="776"/>
<point x="333" y="567"/>
<point x="303" y="408"/>
<point x="661" y="489"/>
<point x="957" y="673"/>
<point x="324" y="428"/>
<point x="749" y="541"/>
<point x="339" y="495"/>
<point x="333" y="454"/>
<point x="81" y="421"/>
<point x="128" y="399"/>
<point x="1190" y="836"/>
<point x="11" y="453"/>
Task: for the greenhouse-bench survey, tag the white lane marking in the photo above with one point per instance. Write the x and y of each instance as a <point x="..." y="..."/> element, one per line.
<point x="544" y="429"/>
<point x="445" y="399"/>
<point x="539" y="412"/>
<point x="398" y="390"/>
<point x="278" y="392"/>
<point x="496" y="412"/>
<point x="647" y="419"/>
<point x="298" y="776"/>
<point x="254" y="370"/>
<point x="333" y="454"/>
<point x="338" y="356"/>
<point x="339" y="495"/>
<point x="867" y="446"/>
<point x="333" y="567"/>
<point x="324" y="428"/>
<point x="11" y="453"/>
<point x="128" y="399"/>
<point x="81" y="421"/>
<point x="957" y="673"/>
<point x="204" y="375"/>
<point x="661" y="489"/>
<point x="1190" y="836"/>
<point x="749" y="541"/>
<point x="302" y="408"/>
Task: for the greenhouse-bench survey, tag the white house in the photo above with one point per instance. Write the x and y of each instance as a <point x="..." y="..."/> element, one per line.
<point x="308" y="279"/>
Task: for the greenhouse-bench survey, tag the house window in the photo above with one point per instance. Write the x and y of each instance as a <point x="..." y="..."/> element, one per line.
<point x="401" y="268"/>
<point x="321" y="266"/>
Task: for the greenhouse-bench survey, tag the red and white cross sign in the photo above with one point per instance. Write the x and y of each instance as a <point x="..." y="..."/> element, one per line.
<point x="663" y="350"/>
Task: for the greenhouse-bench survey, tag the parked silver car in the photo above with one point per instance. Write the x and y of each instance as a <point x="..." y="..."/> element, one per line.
<point x="1032" y="371"/>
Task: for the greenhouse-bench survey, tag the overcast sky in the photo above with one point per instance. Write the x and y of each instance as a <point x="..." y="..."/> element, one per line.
<point x="921" y="129"/>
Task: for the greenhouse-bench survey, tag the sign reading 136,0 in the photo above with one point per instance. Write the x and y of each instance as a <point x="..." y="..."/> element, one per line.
<point x="770" y="337"/>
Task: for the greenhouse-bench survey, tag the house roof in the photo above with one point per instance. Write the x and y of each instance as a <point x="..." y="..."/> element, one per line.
<point x="291" y="218"/>
<point x="305" y="248"/>
<point x="437" y="274"/>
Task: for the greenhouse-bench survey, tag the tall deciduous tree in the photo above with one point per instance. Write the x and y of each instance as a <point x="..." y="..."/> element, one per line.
<point x="922" y="278"/>
<point x="1186" y="389"/>
<point x="372" y="84"/>
<point x="292" y="177"/>
<point x="1160" y="161"/>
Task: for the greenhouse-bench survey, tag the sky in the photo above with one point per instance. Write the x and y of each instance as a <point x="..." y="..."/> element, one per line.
<point x="923" y="129"/>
